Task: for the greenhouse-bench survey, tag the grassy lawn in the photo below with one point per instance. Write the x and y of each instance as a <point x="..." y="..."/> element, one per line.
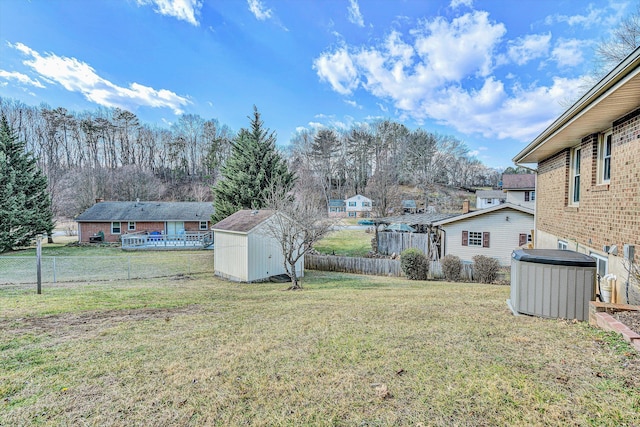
<point x="345" y="242"/>
<point x="348" y="350"/>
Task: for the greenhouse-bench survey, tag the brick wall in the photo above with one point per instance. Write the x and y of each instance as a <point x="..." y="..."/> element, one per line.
<point x="607" y="214"/>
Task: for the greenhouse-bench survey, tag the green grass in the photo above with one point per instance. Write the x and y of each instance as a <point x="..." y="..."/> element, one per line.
<point x="347" y="350"/>
<point x="345" y="242"/>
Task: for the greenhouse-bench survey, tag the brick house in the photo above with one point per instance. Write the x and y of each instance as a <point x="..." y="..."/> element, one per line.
<point x="113" y="219"/>
<point x="588" y="180"/>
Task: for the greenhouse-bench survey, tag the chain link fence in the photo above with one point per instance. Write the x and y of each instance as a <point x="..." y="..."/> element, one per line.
<point x="55" y="269"/>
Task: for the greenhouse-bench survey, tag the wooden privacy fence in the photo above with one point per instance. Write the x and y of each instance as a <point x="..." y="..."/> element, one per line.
<point x="395" y="243"/>
<point x="372" y="266"/>
<point x="385" y="267"/>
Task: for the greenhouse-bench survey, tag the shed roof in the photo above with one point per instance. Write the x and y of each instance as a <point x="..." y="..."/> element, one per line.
<point x="519" y="181"/>
<point x="491" y="194"/>
<point x="147" y="211"/>
<point x="243" y="221"/>
<point x="409" y="204"/>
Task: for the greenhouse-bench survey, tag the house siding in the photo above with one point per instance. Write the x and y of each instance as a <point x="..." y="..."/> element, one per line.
<point x="517" y="198"/>
<point x="607" y="214"/>
<point x="503" y="238"/>
<point x="483" y="203"/>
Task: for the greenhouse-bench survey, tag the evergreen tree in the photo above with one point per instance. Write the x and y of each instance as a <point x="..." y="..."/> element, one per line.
<point x="252" y="173"/>
<point x="25" y="204"/>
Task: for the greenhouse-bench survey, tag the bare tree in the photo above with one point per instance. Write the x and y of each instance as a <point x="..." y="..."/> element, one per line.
<point x="624" y="39"/>
<point x="296" y="225"/>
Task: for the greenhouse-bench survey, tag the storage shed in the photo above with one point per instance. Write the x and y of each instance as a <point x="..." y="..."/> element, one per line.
<point x="552" y="283"/>
<point x="245" y="251"/>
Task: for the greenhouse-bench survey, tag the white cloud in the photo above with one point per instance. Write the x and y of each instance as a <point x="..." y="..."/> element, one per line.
<point x="355" y="17"/>
<point x="525" y="49"/>
<point x="354" y="104"/>
<point x="259" y="10"/>
<point x="446" y="73"/>
<point x="21" y="78"/>
<point x="591" y="17"/>
<point x="338" y="70"/>
<point x="184" y="10"/>
<point x="457" y="3"/>
<point x="382" y="107"/>
<point x="78" y="76"/>
<point x="568" y="53"/>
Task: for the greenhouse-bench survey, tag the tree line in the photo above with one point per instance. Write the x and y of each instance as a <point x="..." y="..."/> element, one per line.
<point x="111" y="154"/>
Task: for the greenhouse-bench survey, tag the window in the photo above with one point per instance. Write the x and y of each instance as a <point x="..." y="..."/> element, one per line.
<point x="524" y="238"/>
<point x="352" y="204"/>
<point x="352" y="214"/>
<point x="115" y="228"/>
<point x="529" y="196"/>
<point x="131" y="226"/>
<point x="575" y="177"/>
<point x="475" y="238"/>
<point x="489" y="201"/>
<point x="562" y="245"/>
<point x="366" y="204"/>
<point x="203" y="225"/>
<point x="604" y="158"/>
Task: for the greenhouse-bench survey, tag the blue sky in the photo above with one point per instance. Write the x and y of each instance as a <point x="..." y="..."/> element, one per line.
<point x="492" y="73"/>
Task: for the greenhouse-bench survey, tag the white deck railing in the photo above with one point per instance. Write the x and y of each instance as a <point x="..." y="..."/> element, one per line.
<point x="198" y="239"/>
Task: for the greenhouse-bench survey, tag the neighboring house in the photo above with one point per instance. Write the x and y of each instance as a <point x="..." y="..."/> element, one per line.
<point x="245" y="250"/>
<point x="520" y="189"/>
<point x="409" y="206"/>
<point x="358" y="206"/>
<point x="337" y="208"/>
<point x="489" y="198"/>
<point x="113" y="219"/>
<point x="494" y="232"/>
<point x="588" y="183"/>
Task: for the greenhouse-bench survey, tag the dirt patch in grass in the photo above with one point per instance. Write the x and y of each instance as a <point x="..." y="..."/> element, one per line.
<point x="88" y="324"/>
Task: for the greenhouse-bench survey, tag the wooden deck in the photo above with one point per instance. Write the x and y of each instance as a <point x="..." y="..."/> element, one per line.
<point x="159" y="242"/>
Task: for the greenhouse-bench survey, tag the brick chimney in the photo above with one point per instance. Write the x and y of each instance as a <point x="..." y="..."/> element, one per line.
<point x="465" y="206"/>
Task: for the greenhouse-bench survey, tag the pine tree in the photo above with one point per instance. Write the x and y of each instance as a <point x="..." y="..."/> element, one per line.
<point x="253" y="171"/>
<point x="25" y="204"/>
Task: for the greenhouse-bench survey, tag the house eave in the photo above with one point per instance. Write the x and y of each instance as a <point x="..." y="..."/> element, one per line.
<point x="484" y="212"/>
<point x="613" y="97"/>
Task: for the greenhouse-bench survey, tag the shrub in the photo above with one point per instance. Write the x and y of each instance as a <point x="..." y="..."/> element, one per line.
<point x="414" y="264"/>
<point x="485" y="269"/>
<point x="451" y="267"/>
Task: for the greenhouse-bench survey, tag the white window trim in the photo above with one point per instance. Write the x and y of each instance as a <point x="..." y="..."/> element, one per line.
<point x="205" y="225"/>
<point x="602" y="157"/>
<point x="574" y="172"/>
<point x="131" y="226"/>
<point x="119" y="227"/>
<point x="563" y="245"/>
<point x="477" y="239"/>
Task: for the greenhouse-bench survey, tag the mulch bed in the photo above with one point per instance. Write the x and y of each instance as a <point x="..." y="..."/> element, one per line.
<point x="629" y="318"/>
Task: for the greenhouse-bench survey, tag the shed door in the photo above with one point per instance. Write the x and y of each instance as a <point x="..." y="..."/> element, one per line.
<point x="174" y="227"/>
